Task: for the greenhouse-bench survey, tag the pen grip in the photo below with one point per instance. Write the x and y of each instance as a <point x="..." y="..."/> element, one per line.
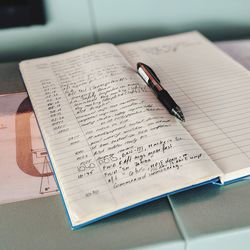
<point x="165" y="98"/>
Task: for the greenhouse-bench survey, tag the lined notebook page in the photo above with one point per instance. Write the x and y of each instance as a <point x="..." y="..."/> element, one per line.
<point x="110" y="141"/>
<point x="212" y="90"/>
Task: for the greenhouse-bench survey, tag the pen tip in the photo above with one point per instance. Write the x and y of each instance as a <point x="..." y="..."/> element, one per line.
<point x="181" y="118"/>
<point x="178" y="114"/>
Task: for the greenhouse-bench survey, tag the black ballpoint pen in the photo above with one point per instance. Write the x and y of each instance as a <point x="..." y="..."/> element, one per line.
<point x="151" y="79"/>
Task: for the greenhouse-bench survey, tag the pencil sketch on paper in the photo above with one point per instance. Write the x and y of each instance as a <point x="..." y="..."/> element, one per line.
<point x="26" y="172"/>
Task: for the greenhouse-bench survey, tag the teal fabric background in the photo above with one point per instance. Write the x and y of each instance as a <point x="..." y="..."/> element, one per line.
<point x="73" y="24"/>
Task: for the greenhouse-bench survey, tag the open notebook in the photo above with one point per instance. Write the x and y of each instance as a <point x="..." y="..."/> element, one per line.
<point x="111" y="142"/>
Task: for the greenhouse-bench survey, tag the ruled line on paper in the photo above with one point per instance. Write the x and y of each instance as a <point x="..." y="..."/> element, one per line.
<point x="228" y="104"/>
<point x="212" y="90"/>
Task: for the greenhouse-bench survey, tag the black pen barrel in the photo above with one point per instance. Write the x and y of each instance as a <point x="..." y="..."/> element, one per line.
<point x="165" y="98"/>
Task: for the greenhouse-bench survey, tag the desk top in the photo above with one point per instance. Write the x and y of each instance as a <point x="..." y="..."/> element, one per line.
<point x="203" y="218"/>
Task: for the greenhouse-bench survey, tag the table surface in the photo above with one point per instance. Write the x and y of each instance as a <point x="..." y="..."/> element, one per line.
<point x="203" y="218"/>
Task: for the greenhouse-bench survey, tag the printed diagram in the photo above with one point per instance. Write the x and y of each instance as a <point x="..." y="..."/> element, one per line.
<point x="26" y="172"/>
<point x="41" y="161"/>
<point x="32" y="161"/>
